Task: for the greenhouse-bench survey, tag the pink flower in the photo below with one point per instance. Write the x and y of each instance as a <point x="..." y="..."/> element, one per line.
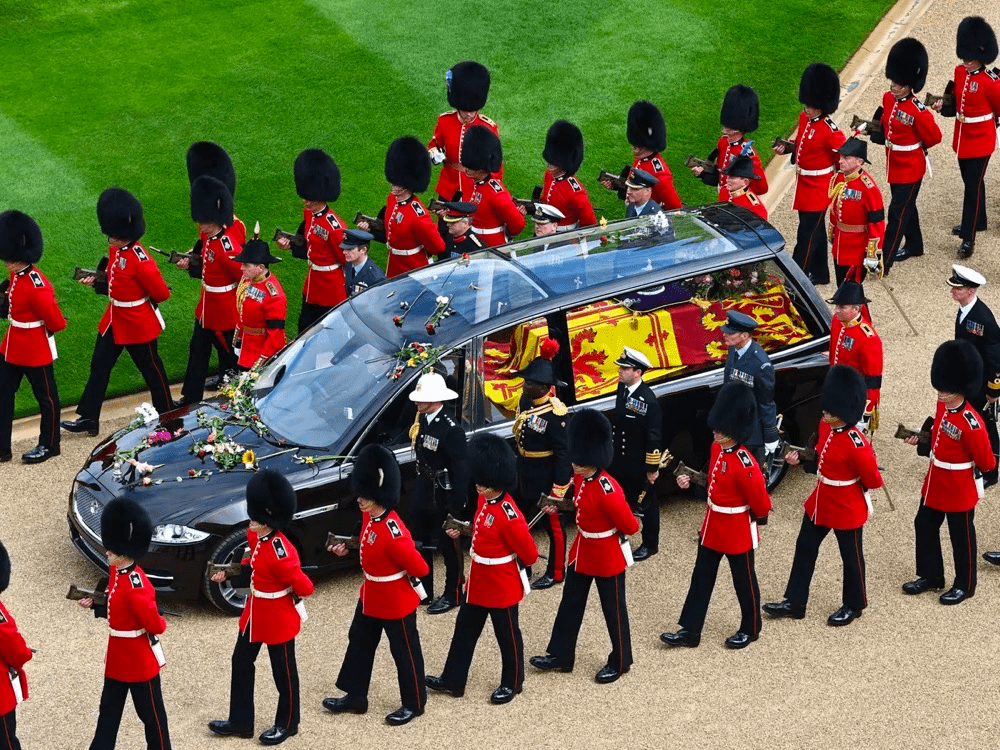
<point x="146" y="481"/>
<point x="211" y="438"/>
<point x="735" y="273"/>
<point x="191" y="472"/>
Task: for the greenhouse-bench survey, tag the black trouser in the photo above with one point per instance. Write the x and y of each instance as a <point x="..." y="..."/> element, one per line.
<point x="980" y="402"/>
<point x="106" y="354"/>
<point x="974" y="199"/>
<point x="286" y="680"/>
<point x="426" y="529"/>
<point x="43" y="385"/>
<point x="148" y="702"/>
<point x="903" y="222"/>
<point x="310" y="313"/>
<point x="632" y="486"/>
<point x="854" y="273"/>
<point x="569" y="618"/>
<point x="962" y="530"/>
<point x="404" y="644"/>
<point x="8" y="731"/>
<point x="706" y="569"/>
<point x="811" y="246"/>
<point x="468" y="627"/>
<point x="852" y="553"/>
<point x="203" y="340"/>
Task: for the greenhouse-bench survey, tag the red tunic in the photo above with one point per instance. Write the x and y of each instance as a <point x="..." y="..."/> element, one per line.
<point x="274" y="568"/>
<point x="977" y="104"/>
<point x="34" y="317"/>
<point x="131" y="607"/>
<point x="725" y="153"/>
<point x="261" y="329"/>
<point x="448" y="135"/>
<point x="497" y="219"/>
<point x="748" y="200"/>
<point x="135" y="285"/>
<point x="958" y="439"/>
<point x="411" y="235"/>
<point x="844" y="455"/>
<point x="14" y="654"/>
<point x="387" y="553"/>
<point x="500" y="537"/>
<point x="857" y="345"/>
<point x="569" y="196"/>
<point x="734" y="481"/>
<point x="325" y="278"/>
<point x="910" y="129"/>
<point x="600" y="508"/>
<point x="664" y="193"/>
<point x="220" y="275"/>
<point x="815" y="158"/>
<point x="857" y="217"/>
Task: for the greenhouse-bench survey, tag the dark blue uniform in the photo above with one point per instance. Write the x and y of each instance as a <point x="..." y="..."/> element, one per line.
<point x="358" y="279"/>
<point x="754" y="369"/>
<point x="638" y="439"/>
<point x="981" y="330"/>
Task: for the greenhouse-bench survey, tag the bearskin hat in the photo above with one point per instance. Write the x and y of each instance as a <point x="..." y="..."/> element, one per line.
<point x="976" y="40"/>
<point x="468" y="86"/>
<point x="491" y="462"/>
<point x="844" y="394"/>
<point x="590" y="442"/>
<point x="481" y="150"/>
<point x="125" y="528"/>
<point x="211" y="159"/>
<point x="820" y="88"/>
<point x="564" y="146"/>
<point x="20" y="238"/>
<point x="317" y="177"/>
<point x="211" y="202"/>
<point x="120" y="215"/>
<point x="646" y="128"/>
<point x="957" y="368"/>
<point x="270" y="499"/>
<point x="740" y="109"/>
<point x="4" y="568"/>
<point x="408" y="164"/>
<point x="734" y="412"/>
<point x="907" y="63"/>
<point x="376" y="476"/>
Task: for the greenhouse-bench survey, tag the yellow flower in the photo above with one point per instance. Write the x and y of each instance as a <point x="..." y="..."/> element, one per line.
<point x="423" y="355"/>
<point x="249" y="459"/>
<point x="603" y="222"/>
<point x="309" y="460"/>
<point x="412" y="362"/>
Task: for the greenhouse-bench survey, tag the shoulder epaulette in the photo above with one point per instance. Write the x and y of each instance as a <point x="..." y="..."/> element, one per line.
<point x="272" y="290"/>
<point x="487" y="120"/>
<point x="752" y="198"/>
<point x="970" y="417"/>
<point x="394" y="528"/>
<point x="866" y="329"/>
<point x="606" y="485"/>
<point x="558" y="407"/>
<point x="868" y="181"/>
<point x="856" y="437"/>
<point x="744" y="457"/>
<point x="509" y="510"/>
<point x="227" y="244"/>
<point x="449" y="112"/>
<point x="575" y="184"/>
<point x="418" y="209"/>
<point x="2" y="618"/>
<point x="657" y="163"/>
<point x="919" y="105"/>
<point x="497" y="187"/>
<point x="992" y="73"/>
<point x="829" y="121"/>
<point x="331" y="219"/>
<point x="36" y="279"/>
<point x="135" y="579"/>
<point x="279" y="547"/>
<point x="140" y="253"/>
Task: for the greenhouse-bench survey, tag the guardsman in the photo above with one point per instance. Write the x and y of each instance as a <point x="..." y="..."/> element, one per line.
<point x="847" y="472"/>
<point x="215" y="316"/>
<point x="502" y="546"/>
<point x="360" y="272"/>
<point x="647" y="134"/>
<point x="388" y="601"/>
<point x="737" y="503"/>
<point x="496" y="219"/>
<point x="977" y="106"/>
<point x="638" y="426"/>
<point x="441" y="488"/>
<point x="205" y="158"/>
<point x="600" y="553"/>
<point x="28" y="347"/>
<point x="468" y="88"/>
<point x="132" y="320"/>
<point x="14" y="654"/>
<point x="458" y="235"/>
<point x="639" y="194"/>
<point x="854" y="342"/>
<point x="958" y="447"/>
<point x="262" y="305"/>
<point x="747" y="363"/>
<point x="909" y="131"/>
<point x="135" y="656"/>
<point x="976" y="324"/>
<point x="814" y="155"/>
<point x="273" y="613"/>
<point x="740" y="115"/>
<point x="740" y="176"/>
<point x="563" y="155"/>
<point x="409" y="230"/>
<point x="543" y="465"/>
<point x="857" y="215"/>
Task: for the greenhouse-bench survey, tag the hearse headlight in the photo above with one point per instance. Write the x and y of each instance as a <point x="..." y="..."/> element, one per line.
<point x="172" y="533"/>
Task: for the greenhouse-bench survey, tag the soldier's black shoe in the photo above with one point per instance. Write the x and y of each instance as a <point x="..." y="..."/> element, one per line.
<point x="643" y="553"/>
<point x="920" y="585"/>
<point x="438" y="684"/>
<point x="39" y="453"/>
<point x="546" y="663"/>
<point x="441" y="605"/>
<point x="903" y="253"/>
<point x="545" y="582"/>
<point x="503" y="695"/>
<point x="966" y="249"/>
<point x="607" y="674"/>
<point x="228" y="729"/>
<point x="739" y="639"/>
<point x="843" y="616"/>
<point x="90" y="426"/>
<point x="403" y="715"/>
<point x="993" y="558"/>
<point x="345" y="704"/>
<point x="5" y="457"/>
<point x="786" y="609"/>
<point x="957" y="230"/>
<point x="682" y="637"/>
<point x="277" y="735"/>
<point x="955" y="595"/>
<point x="989" y="480"/>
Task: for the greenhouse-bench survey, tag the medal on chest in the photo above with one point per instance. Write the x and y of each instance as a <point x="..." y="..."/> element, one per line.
<point x="320" y="232"/>
<point x="951" y="430"/>
<point x="848" y="343"/>
<point x="974" y="87"/>
<point x="743" y="377"/>
<point x="430" y="442"/>
<point x="976" y="329"/>
<point x="634" y="404"/>
<point x="398" y="217"/>
<point x="489" y="520"/>
<point x="372" y="536"/>
<point x="537" y="424"/>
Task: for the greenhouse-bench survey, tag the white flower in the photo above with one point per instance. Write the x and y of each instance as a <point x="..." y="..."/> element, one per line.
<point x="144" y="468"/>
<point x="147" y="412"/>
<point x="442" y="300"/>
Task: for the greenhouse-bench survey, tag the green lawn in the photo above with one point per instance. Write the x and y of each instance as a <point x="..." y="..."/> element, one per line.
<point x="101" y="93"/>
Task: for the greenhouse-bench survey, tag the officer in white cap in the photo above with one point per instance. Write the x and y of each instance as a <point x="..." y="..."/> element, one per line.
<point x="546" y="219"/>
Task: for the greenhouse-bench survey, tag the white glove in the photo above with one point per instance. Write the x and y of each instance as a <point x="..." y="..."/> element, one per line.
<point x="772" y="447"/>
<point x="437" y="155"/>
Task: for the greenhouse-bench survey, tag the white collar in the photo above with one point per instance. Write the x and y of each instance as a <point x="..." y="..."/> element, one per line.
<point x="963" y="311"/>
<point x="433" y="415"/>
<point x="741" y="352"/>
<point x="630" y="389"/>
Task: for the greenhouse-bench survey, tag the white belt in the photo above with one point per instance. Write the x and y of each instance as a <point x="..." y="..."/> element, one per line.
<point x="127" y="633"/>
<point x="218" y="289"/>
<point x="385" y="579"/>
<point x="314" y="267"/>
<point x="814" y="172"/>
<point x="729" y="511"/>
<point x="896" y="147"/>
<point x="270" y="594"/>
<point x="952" y="467"/>
<point x="838" y="482"/>
<point x="492" y="230"/>
<point x="598" y="534"/>
<point x="412" y="251"/>
<point x="969" y="120"/>
<point x="133" y="303"/>
<point x="492" y="560"/>
<point x="29" y="324"/>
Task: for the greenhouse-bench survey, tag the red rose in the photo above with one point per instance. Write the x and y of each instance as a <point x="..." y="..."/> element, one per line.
<point x="191" y="472"/>
<point x="430" y="328"/>
<point x="734" y="272"/>
<point x="201" y="453"/>
<point x="397" y="320"/>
